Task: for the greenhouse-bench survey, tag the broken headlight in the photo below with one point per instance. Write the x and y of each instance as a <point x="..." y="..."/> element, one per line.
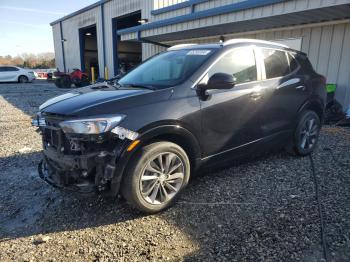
<point x="90" y="125"/>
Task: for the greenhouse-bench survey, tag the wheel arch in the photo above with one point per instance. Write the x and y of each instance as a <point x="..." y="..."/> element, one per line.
<point x="314" y="105"/>
<point x="21" y="75"/>
<point x="170" y="133"/>
<point x="178" y="135"/>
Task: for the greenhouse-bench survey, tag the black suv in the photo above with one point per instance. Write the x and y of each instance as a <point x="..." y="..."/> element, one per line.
<point x="190" y="107"/>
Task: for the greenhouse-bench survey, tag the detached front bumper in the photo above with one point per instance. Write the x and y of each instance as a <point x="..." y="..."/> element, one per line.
<point x="83" y="165"/>
<point x="84" y="173"/>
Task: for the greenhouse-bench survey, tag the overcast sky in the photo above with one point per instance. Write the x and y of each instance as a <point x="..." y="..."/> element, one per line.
<point x="25" y="24"/>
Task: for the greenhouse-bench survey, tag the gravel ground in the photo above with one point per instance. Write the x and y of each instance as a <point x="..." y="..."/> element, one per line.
<point x="261" y="210"/>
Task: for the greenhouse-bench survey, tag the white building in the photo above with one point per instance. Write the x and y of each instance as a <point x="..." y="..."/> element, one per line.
<point x="108" y="34"/>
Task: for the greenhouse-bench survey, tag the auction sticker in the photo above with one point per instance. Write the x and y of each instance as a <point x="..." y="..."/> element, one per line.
<point x="199" y="52"/>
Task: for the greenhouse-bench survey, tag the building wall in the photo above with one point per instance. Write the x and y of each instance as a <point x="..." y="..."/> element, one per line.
<point x="281" y="8"/>
<point x="56" y="32"/>
<point x="70" y="28"/>
<point x="113" y="9"/>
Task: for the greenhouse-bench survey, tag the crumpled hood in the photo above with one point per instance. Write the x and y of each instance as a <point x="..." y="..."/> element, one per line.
<point x="96" y="98"/>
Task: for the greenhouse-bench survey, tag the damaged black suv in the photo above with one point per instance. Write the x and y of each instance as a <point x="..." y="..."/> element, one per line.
<point x="191" y="107"/>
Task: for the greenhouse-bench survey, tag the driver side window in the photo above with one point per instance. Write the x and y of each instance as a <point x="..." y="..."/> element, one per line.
<point x="240" y="63"/>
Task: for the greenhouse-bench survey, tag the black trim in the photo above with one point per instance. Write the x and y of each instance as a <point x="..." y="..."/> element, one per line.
<point x="62" y="45"/>
<point x="103" y="39"/>
<point x="115" y="45"/>
<point x="81" y="49"/>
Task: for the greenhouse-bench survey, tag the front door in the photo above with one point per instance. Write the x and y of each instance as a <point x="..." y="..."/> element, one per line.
<point x="230" y="118"/>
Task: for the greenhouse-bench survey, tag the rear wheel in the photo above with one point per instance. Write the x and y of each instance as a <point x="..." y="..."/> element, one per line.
<point x="156" y="177"/>
<point x="306" y="134"/>
<point x="23" y="79"/>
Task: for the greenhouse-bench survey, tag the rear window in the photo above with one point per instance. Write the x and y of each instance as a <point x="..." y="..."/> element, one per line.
<point x="10" y="69"/>
<point x="304" y="62"/>
<point x="276" y="63"/>
<point x="293" y="64"/>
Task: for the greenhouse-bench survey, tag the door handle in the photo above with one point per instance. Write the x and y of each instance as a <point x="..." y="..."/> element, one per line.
<point x="255" y="95"/>
<point x="302" y="88"/>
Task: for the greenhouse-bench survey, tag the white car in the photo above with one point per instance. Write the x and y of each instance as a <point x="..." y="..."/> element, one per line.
<point x="16" y="74"/>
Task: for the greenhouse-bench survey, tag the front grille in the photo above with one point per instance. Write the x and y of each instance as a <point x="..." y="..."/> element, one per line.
<point x="52" y="137"/>
<point x="52" y="134"/>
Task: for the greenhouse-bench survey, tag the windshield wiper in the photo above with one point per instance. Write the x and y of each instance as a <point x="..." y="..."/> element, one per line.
<point x="140" y="86"/>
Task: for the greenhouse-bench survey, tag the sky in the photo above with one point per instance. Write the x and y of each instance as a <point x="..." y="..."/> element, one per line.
<point x="25" y="24"/>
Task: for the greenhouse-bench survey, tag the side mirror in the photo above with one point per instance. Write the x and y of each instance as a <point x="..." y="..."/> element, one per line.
<point x="220" y="81"/>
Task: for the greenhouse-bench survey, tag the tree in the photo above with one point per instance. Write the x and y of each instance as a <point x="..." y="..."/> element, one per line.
<point x="41" y="60"/>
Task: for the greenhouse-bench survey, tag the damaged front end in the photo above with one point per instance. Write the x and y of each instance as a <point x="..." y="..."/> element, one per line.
<point x="81" y="155"/>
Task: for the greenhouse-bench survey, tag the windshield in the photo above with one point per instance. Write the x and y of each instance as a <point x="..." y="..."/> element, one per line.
<point x="167" y="69"/>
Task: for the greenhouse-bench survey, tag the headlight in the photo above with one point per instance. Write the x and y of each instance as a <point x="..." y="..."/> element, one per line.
<point x="91" y="125"/>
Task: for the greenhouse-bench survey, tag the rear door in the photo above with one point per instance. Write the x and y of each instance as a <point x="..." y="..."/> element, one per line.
<point x="285" y="90"/>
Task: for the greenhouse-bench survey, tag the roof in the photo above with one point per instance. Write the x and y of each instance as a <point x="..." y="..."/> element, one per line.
<point x="252" y="41"/>
<point x="230" y="42"/>
<point x="89" y="7"/>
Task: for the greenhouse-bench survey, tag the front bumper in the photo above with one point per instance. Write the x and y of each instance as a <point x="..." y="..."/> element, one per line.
<point x="88" y="173"/>
<point x="84" y="164"/>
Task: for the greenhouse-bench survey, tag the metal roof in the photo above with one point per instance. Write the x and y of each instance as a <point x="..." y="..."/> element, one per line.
<point x="89" y="7"/>
<point x="225" y="9"/>
<point x="291" y="19"/>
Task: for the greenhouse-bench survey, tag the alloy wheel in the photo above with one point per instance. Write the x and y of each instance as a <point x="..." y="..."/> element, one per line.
<point x="309" y="134"/>
<point x="162" y="178"/>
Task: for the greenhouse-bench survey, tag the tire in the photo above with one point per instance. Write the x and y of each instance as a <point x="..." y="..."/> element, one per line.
<point x="85" y="80"/>
<point x="63" y="82"/>
<point x="144" y="189"/>
<point x="23" y="79"/>
<point x="306" y="134"/>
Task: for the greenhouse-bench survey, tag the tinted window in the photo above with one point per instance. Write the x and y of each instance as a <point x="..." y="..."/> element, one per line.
<point x="293" y="64"/>
<point x="240" y="63"/>
<point x="168" y="68"/>
<point x="10" y="69"/>
<point x="276" y="63"/>
<point x="2" y="69"/>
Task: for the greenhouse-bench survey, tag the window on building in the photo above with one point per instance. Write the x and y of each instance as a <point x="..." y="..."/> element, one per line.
<point x="240" y="63"/>
<point x="276" y="63"/>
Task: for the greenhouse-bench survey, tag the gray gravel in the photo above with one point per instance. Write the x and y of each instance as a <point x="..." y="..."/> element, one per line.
<point x="261" y="210"/>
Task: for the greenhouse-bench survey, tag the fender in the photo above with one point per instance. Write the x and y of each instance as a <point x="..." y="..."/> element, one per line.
<point x="189" y="141"/>
<point x="317" y="104"/>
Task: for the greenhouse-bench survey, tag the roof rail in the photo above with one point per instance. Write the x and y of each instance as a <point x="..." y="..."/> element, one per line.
<point x="243" y="40"/>
<point x="180" y="46"/>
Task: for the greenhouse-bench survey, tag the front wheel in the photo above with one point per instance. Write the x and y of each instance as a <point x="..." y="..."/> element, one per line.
<point x="156" y="177"/>
<point x="306" y="134"/>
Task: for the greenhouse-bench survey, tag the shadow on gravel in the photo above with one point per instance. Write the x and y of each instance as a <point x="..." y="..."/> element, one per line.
<point x="30" y="207"/>
<point x="35" y="94"/>
<point x="259" y="209"/>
